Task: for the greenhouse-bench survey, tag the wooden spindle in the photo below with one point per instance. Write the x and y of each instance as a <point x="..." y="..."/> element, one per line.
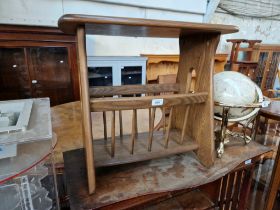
<point x="133" y="133"/>
<point x="150" y="112"/>
<point x="136" y="125"/>
<point x="184" y="124"/>
<point x="105" y="125"/>
<point x="120" y="122"/>
<point x="113" y="135"/>
<point x="151" y="130"/>
<point x="163" y="119"/>
<point x="168" y="128"/>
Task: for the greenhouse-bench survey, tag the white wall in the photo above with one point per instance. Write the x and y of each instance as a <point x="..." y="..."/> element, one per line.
<point x="249" y="28"/>
<point x="47" y="12"/>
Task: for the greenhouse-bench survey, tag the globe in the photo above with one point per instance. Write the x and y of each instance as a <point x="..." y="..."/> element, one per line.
<point x="235" y="89"/>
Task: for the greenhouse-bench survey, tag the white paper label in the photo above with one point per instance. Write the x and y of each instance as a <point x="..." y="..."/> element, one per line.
<point x="265" y="103"/>
<point x="248" y="161"/>
<point x="157" y="102"/>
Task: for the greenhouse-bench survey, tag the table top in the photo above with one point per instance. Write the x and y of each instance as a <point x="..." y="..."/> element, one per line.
<point x="67" y="124"/>
<point x="272" y="111"/>
<point x="136" y="27"/>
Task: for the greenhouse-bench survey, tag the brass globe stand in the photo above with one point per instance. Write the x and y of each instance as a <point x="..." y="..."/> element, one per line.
<point x="222" y="136"/>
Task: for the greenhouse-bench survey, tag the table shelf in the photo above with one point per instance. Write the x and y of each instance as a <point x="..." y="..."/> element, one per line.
<point x="102" y="148"/>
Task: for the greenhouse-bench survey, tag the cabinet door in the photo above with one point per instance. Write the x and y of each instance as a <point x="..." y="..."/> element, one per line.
<point x="100" y="76"/>
<point x="132" y="75"/>
<point x="14" y="75"/>
<point x="50" y="73"/>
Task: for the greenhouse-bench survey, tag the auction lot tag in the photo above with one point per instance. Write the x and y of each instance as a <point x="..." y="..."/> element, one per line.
<point x="157" y="102"/>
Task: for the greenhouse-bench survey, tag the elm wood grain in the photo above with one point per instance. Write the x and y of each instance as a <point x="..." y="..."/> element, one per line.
<point x="123" y="147"/>
<point x="119" y="183"/>
<point x="118" y="26"/>
<point x="197" y="52"/>
<point x="145" y="102"/>
<point x="85" y="108"/>
<point x="132" y="89"/>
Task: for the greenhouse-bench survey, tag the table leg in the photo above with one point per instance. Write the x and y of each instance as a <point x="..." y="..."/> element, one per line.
<point x="256" y="127"/>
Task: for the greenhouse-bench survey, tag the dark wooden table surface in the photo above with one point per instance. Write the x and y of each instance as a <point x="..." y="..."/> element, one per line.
<point x="272" y="111"/>
<point x="149" y="178"/>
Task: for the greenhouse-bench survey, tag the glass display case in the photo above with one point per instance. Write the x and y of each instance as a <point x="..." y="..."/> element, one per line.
<point x="27" y="181"/>
<point x="27" y="175"/>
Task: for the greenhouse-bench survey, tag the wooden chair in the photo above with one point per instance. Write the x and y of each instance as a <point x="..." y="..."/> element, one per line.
<point x="245" y="66"/>
<point x="190" y="124"/>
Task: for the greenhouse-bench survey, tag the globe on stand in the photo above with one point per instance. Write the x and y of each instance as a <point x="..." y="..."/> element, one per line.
<point x="237" y="99"/>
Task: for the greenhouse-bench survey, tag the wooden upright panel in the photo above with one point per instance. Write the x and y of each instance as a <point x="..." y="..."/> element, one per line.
<point x="197" y="52"/>
<point x="85" y="108"/>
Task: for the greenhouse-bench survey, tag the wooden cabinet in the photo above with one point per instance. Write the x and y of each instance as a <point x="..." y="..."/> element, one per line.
<point x="268" y="58"/>
<point x="116" y="70"/>
<point x="168" y="65"/>
<point x="37" y="62"/>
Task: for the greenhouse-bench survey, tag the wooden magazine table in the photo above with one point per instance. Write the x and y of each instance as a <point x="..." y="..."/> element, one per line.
<point x="190" y="125"/>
